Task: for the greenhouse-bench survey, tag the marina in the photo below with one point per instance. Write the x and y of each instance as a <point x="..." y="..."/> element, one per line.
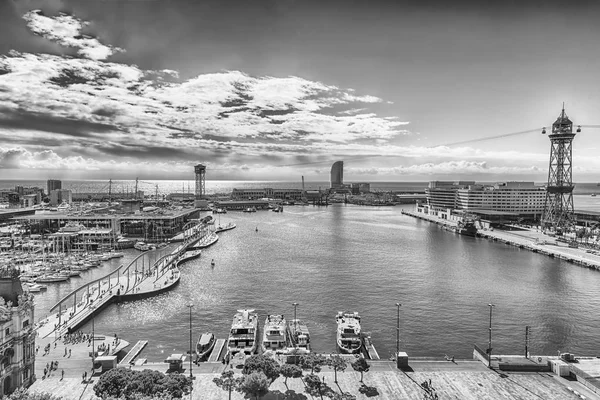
<point x="243" y="262"/>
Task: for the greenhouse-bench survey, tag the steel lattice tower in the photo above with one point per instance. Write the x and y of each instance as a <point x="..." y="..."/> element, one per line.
<point x="200" y="171"/>
<point x="558" y="207"/>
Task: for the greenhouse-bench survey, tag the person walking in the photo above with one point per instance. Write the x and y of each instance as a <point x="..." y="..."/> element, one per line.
<point x="62" y="374"/>
<point x="69" y="353"/>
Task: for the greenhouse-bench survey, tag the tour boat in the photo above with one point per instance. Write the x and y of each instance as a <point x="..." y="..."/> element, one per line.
<point x="299" y="336"/>
<point x="244" y="331"/>
<point x="275" y="334"/>
<point x="348" y="332"/>
<point x="205" y="344"/>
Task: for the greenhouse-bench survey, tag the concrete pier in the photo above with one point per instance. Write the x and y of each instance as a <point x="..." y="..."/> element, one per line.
<point x="529" y="239"/>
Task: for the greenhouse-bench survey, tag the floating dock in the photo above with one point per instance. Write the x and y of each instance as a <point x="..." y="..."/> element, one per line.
<point x="133" y="353"/>
<point x="215" y="355"/>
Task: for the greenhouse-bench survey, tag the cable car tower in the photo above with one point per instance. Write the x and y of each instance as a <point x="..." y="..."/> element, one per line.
<point x="558" y="207"/>
<point x="200" y="171"/>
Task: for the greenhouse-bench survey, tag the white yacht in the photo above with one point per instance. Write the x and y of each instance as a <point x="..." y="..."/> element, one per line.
<point x="275" y="336"/>
<point x="348" y="332"/>
<point x="243" y="333"/>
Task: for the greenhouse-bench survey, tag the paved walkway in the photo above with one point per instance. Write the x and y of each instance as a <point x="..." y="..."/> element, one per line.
<point x="462" y="380"/>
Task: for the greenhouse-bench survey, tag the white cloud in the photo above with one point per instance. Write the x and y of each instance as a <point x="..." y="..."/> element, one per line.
<point x="66" y="31"/>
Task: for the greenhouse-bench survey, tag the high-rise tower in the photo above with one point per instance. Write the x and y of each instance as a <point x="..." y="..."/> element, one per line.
<point x="558" y="207"/>
<point x="200" y="171"/>
<point x="337" y="174"/>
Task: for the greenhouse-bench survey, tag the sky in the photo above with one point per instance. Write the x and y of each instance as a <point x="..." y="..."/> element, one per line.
<point x="279" y="89"/>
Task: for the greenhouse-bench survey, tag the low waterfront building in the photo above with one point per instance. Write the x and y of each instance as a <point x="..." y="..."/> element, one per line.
<point x="359" y="188"/>
<point x="17" y="336"/>
<point x="105" y="196"/>
<point x="159" y="224"/>
<point x="242" y="204"/>
<point x="267" y="193"/>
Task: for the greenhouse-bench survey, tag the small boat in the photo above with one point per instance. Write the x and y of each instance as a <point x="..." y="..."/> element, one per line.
<point x="348" y="332"/>
<point x="243" y="333"/>
<point x="52" y="278"/>
<point x="141" y="246"/>
<point x="275" y="334"/>
<point x="227" y="227"/>
<point x="250" y="209"/>
<point x="205" y="344"/>
<point x="299" y="336"/>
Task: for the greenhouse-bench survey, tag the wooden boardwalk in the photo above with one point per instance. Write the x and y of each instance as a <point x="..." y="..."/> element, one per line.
<point x="215" y="355"/>
<point x="133" y="353"/>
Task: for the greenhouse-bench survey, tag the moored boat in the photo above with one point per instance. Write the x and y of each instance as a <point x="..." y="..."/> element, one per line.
<point x="275" y="334"/>
<point x="141" y="246"/>
<point x="299" y="336"/>
<point x="52" y="278"/>
<point x="243" y="333"/>
<point x="206" y="342"/>
<point x="348" y="332"/>
<point x="227" y="227"/>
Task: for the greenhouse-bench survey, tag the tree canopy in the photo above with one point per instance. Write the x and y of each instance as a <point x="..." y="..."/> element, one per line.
<point x="260" y="363"/>
<point x="255" y="384"/>
<point x="228" y="382"/>
<point x="360" y="365"/>
<point x="290" y="371"/>
<point x="127" y="384"/>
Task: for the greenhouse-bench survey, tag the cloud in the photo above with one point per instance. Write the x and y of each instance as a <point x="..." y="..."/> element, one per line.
<point x="66" y="30"/>
<point x="87" y="114"/>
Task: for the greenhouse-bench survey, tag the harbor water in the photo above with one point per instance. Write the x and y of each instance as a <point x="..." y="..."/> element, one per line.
<point x="364" y="259"/>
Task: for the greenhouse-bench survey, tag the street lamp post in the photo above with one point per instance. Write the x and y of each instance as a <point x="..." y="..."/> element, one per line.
<point x="295" y="320"/>
<point x="398" y="331"/>
<point x="190" y="306"/>
<point x="490" y="337"/>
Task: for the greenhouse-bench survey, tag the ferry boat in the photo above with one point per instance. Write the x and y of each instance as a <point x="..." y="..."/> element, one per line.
<point x="275" y="336"/>
<point x="299" y="336"/>
<point x="244" y="332"/>
<point x="206" y="342"/>
<point x="348" y="332"/>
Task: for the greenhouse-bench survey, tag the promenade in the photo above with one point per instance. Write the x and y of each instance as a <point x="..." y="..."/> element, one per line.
<point x="460" y="380"/>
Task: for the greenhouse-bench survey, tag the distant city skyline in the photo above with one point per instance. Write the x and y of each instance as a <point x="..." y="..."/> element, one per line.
<point x="273" y="90"/>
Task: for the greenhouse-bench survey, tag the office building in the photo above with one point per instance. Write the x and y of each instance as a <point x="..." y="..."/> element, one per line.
<point x="59" y="196"/>
<point x="53" y="184"/>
